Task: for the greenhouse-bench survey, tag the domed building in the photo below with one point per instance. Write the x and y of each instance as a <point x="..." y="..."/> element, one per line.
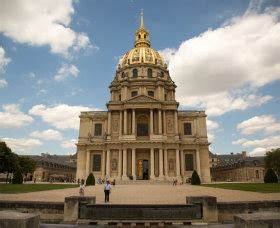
<point x="143" y="136"/>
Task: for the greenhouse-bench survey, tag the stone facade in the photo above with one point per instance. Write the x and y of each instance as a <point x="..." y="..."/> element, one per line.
<point x="143" y="135"/>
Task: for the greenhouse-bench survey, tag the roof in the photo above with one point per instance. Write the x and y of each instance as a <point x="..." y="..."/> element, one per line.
<point x="54" y="159"/>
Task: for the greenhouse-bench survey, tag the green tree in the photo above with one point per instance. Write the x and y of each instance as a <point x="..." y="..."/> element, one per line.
<point x="8" y="160"/>
<point x="17" y="178"/>
<point x="90" y="180"/>
<point x="272" y="160"/>
<point x="270" y="177"/>
<point x="195" y="180"/>
<point x="26" y="164"/>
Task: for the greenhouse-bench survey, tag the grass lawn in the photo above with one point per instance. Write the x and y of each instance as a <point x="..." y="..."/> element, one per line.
<point x="251" y="187"/>
<point x="21" y="188"/>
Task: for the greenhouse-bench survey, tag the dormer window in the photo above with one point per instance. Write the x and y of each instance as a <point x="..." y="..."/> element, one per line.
<point x="134" y="93"/>
<point x="135" y="73"/>
<point x="150" y="73"/>
<point x="151" y="93"/>
<point x="122" y="74"/>
<point x="98" y="129"/>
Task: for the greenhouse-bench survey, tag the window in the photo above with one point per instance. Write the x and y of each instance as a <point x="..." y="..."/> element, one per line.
<point x="257" y="174"/>
<point x="150" y="73"/>
<point x="122" y="74"/>
<point x="135" y="73"/>
<point x="189" y="162"/>
<point x="134" y="93"/>
<point x="161" y="74"/>
<point x="151" y="93"/>
<point x="187" y="129"/>
<point x="139" y="36"/>
<point x="165" y="97"/>
<point x="96" y="165"/>
<point x="142" y="129"/>
<point x="98" y="129"/>
<point x="120" y="97"/>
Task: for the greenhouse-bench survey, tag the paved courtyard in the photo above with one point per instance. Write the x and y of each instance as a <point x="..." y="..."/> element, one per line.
<point x="144" y="194"/>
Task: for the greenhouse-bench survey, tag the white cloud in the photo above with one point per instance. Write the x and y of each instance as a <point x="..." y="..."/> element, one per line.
<point x="49" y="134"/>
<point x="264" y="123"/>
<point x="22" y="144"/>
<point x="12" y="117"/>
<point x="61" y="116"/>
<point x="65" y="71"/>
<point x="3" y="59"/>
<point x="41" y="22"/>
<point x="212" y="126"/>
<point x="3" y="83"/>
<point x="167" y="53"/>
<point x="222" y="69"/>
<point x="69" y="143"/>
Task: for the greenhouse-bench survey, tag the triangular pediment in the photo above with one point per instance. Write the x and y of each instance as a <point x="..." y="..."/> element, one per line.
<point x="142" y="99"/>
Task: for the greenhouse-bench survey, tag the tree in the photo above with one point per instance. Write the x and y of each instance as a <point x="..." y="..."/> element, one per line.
<point x="270" y="177"/>
<point x="8" y="160"/>
<point x="26" y="164"/>
<point x="195" y="180"/>
<point x="272" y="160"/>
<point x="90" y="180"/>
<point x="17" y="178"/>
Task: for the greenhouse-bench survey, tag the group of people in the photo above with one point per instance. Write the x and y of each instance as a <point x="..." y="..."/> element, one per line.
<point x="176" y="182"/>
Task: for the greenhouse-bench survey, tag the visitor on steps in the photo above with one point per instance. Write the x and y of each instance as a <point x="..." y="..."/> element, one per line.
<point x="82" y="189"/>
<point x="107" y="189"/>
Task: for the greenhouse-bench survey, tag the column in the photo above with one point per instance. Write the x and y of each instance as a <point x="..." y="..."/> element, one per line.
<point x="125" y="122"/>
<point x="151" y="122"/>
<point x="120" y="164"/>
<point x="176" y="122"/>
<point x="124" y="176"/>
<point x="182" y="162"/>
<point x="152" y="158"/>
<point x="108" y="165"/>
<point x="109" y="122"/>
<point x="177" y="163"/>
<point x="103" y="163"/>
<point x="159" y="122"/>
<point x="198" y="163"/>
<point x="164" y="122"/>
<point x="120" y="124"/>
<point x="165" y="164"/>
<point x="133" y="164"/>
<point x="133" y="121"/>
<point x="160" y="163"/>
<point x="88" y="164"/>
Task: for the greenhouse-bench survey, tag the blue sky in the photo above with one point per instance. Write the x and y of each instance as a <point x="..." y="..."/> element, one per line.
<point x="59" y="57"/>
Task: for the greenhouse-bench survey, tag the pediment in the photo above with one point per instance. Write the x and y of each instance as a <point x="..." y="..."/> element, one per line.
<point x="142" y="99"/>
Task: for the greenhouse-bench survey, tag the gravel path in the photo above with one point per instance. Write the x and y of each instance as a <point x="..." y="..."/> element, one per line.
<point x="144" y="194"/>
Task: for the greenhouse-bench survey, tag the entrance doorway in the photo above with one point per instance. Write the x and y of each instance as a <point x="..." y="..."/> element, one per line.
<point x="143" y="170"/>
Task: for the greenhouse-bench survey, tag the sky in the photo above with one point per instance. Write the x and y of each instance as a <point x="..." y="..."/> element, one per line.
<point x="57" y="58"/>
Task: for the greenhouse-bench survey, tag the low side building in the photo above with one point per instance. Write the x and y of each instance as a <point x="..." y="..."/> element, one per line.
<point x="236" y="167"/>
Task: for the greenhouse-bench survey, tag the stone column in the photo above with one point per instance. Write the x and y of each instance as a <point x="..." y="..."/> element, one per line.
<point x="165" y="164"/>
<point x="133" y="121"/>
<point x="133" y="164"/>
<point x="103" y="163"/>
<point x="182" y="162"/>
<point x="120" y="164"/>
<point x="176" y="122"/>
<point x="160" y="164"/>
<point x="151" y="122"/>
<point x="108" y="164"/>
<point x="125" y="122"/>
<point x="152" y="158"/>
<point x="198" y="163"/>
<point x="88" y="164"/>
<point x="120" y="124"/>
<point x="109" y="123"/>
<point x="164" y="122"/>
<point x="124" y="176"/>
<point x="159" y="122"/>
<point x="177" y="163"/>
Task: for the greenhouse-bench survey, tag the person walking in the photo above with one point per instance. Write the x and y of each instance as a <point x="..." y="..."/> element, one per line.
<point x="107" y="189"/>
<point x="82" y="189"/>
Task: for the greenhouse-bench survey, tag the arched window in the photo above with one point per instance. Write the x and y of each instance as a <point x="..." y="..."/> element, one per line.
<point x="139" y="36"/>
<point x="122" y="74"/>
<point x="150" y="73"/>
<point x="135" y="73"/>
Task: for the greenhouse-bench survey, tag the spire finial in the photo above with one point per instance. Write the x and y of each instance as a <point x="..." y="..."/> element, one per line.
<point x="142" y="19"/>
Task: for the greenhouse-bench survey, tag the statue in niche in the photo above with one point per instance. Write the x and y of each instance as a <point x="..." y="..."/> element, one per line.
<point x="171" y="165"/>
<point x="114" y="165"/>
<point x="115" y="125"/>
<point x="89" y="137"/>
<point x="169" y="125"/>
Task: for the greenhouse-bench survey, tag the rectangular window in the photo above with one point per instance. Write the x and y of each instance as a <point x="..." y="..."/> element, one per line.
<point x="189" y="162"/>
<point x="98" y="129"/>
<point x="257" y="174"/>
<point x="134" y="93"/>
<point x="96" y="165"/>
<point x="187" y="129"/>
<point x="151" y="93"/>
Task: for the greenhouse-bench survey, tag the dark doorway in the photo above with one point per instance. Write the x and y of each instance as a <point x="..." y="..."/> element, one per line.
<point x="145" y="170"/>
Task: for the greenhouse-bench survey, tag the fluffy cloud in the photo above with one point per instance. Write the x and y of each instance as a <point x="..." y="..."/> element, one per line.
<point x="41" y="22"/>
<point x="65" y="71"/>
<point x="69" y="143"/>
<point x="212" y="126"/>
<point x="3" y="83"/>
<point x="265" y="123"/>
<point x="22" y="144"/>
<point x="49" y="134"/>
<point x="222" y="69"/>
<point x="12" y="117"/>
<point x="61" y="116"/>
<point x="3" y="59"/>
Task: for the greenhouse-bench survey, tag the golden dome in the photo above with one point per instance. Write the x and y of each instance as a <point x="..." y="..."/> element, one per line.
<point x="142" y="52"/>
